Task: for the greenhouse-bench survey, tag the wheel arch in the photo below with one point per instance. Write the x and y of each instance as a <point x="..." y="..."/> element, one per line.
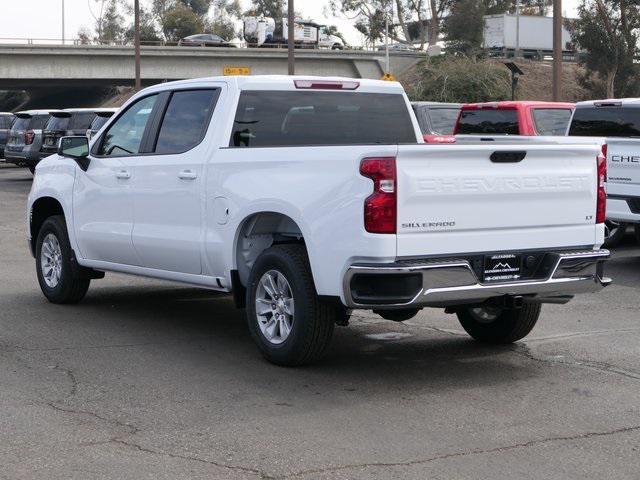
<point x="257" y="232"/>
<point x="41" y="209"/>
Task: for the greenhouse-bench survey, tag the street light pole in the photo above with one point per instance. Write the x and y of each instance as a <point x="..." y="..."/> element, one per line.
<point x="517" y="54"/>
<point x="386" y="39"/>
<point x="290" y="41"/>
<point x="557" y="50"/>
<point x="63" y="22"/>
<point x="136" y="41"/>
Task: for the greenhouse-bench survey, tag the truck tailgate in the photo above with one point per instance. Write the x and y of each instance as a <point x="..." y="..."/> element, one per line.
<point x="623" y="163"/>
<point x="458" y="199"/>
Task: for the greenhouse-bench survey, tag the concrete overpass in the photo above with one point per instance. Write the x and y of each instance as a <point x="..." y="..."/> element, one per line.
<point x="42" y="69"/>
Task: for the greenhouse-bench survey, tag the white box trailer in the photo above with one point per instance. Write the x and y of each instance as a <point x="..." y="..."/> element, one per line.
<point x="536" y="33"/>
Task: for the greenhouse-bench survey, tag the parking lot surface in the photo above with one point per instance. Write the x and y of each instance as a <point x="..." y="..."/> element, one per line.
<point x="148" y="379"/>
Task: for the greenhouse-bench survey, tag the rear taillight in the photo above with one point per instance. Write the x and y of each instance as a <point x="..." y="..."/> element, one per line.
<point x="380" y="208"/>
<point x="29" y="136"/>
<point x="601" y="206"/>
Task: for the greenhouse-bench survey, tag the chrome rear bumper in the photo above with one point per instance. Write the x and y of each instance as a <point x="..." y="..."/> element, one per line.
<point x="452" y="282"/>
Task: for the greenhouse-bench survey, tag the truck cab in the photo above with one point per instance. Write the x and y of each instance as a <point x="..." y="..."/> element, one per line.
<point x="514" y="118"/>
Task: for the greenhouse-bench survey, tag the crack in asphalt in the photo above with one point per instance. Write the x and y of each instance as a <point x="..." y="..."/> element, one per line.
<point x="133" y="430"/>
<point x="479" y="451"/>
<point x="8" y="347"/>
<point x="118" y="423"/>
<point x="523" y="350"/>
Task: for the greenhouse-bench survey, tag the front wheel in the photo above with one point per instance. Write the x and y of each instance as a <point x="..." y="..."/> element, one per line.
<point x="54" y="264"/>
<point x="286" y="318"/>
<point x="499" y="325"/>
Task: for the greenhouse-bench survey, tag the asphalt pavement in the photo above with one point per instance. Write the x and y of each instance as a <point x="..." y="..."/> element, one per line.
<point x="151" y="380"/>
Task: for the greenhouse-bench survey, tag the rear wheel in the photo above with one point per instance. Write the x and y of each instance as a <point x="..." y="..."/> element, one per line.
<point x="499" y="325"/>
<point x="614" y="233"/>
<point x="286" y="318"/>
<point x="54" y="264"/>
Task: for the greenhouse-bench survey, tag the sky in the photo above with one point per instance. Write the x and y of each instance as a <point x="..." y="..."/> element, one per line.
<point x="42" y="19"/>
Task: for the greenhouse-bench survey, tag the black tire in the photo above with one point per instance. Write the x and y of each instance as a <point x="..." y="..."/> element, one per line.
<point x="32" y="169"/>
<point x="614" y="233"/>
<point x="506" y="326"/>
<point x="69" y="288"/>
<point x="637" y="231"/>
<point x="313" y="321"/>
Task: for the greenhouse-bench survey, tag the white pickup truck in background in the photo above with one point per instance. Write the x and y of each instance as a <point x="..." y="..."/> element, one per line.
<point x="309" y="197"/>
<point x="619" y="122"/>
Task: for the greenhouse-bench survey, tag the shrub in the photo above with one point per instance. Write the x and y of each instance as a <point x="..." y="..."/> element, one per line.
<point x="459" y="79"/>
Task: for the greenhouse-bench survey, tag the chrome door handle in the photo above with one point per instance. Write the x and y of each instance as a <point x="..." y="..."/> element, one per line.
<point x="188" y="175"/>
<point x="123" y="174"/>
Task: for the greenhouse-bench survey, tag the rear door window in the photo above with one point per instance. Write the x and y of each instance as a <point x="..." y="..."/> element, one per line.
<point x="185" y="120"/>
<point x="551" y="121"/>
<point x="489" y="121"/>
<point x="606" y="122"/>
<point x="295" y="118"/>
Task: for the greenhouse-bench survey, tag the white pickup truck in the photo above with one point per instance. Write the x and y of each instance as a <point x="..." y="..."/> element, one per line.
<point x="618" y="121"/>
<point x="310" y="197"/>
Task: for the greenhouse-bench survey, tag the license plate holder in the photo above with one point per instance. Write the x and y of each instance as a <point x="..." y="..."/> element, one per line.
<point x="502" y="267"/>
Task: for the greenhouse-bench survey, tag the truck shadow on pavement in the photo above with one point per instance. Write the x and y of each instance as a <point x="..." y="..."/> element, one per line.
<point x="206" y="330"/>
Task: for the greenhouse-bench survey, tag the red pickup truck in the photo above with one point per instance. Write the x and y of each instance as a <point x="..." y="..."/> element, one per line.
<point x="514" y="118"/>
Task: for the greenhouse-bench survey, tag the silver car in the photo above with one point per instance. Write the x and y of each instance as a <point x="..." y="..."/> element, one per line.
<point x="25" y="138"/>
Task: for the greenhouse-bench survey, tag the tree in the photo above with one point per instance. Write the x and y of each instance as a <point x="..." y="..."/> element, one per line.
<point x="148" y="30"/>
<point x="112" y="28"/>
<point x="608" y="31"/>
<point x="460" y="80"/>
<point x="464" y="27"/>
<point x="179" y="22"/>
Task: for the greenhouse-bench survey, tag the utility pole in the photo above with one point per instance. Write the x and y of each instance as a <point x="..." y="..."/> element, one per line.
<point x="136" y="41"/>
<point x="557" y="50"/>
<point x="517" y="53"/>
<point x="386" y="38"/>
<point x="63" y="22"/>
<point x="291" y="59"/>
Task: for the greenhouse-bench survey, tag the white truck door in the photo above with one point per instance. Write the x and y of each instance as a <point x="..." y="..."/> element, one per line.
<point x="102" y="201"/>
<point x="168" y="184"/>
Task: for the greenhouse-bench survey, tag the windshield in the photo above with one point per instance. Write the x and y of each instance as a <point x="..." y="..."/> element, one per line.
<point x="21" y="123"/>
<point x="489" y="121"/>
<point x="606" y="122"/>
<point x="443" y="120"/>
<point x="551" y="121"/>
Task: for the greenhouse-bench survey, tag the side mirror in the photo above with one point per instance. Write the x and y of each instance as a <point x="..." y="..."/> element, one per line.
<point x="76" y="148"/>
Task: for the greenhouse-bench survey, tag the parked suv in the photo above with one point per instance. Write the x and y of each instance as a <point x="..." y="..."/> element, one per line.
<point x="69" y="122"/>
<point x="515" y="118"/>
<point x="25" y="138"/>
<point x="437" y="120"/>
<point x="619" y="122"/>
<point x="307" y="197"/>
<point x="102" y="116"/>
<point x="6" y="120"/>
